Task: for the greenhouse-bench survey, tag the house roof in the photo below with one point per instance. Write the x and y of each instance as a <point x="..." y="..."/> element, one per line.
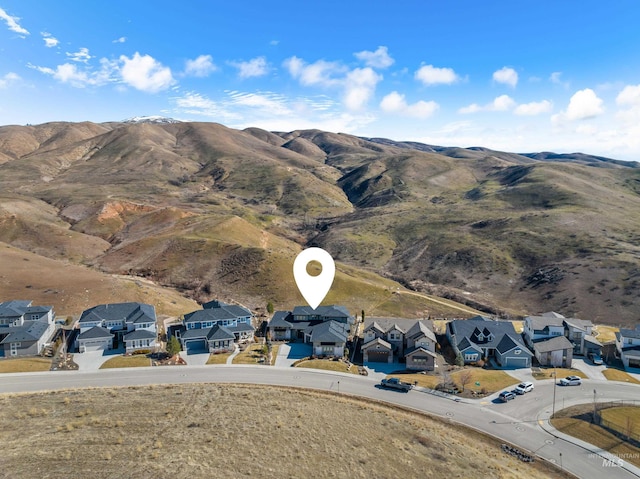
<point x="28" y="332"/>
<point x="421" y="327"/>
<point x="219" y="333"/>
<point x="540" y="322"/>
<point x="374" y="325"/>
<point x="422" y="349"/>
<point x="328" y="332"/>
<point x="333" y="311"/>
<point x="406" y="325"/>
<point x="466" y="344"/>
<point x="592" y="340"/>
<point x="582" y="324"/>
<point x="630" y="333"/>
<point x="132" y="312"/>
<point x="280" y="320"/>
<point x="241" y="327"/>
<point x="633" y="351"/>
<point x="96" y="332"/>
<point x="507" y="343"/>
<point x="378" y="341"/>
<point x="553" y="344"/>
<point x="18" y="307"/>
<point x="234" y="309"/>
<point x="552" y="314"/>
<point x="139" y="334"/>
<point x="472" y="329"/>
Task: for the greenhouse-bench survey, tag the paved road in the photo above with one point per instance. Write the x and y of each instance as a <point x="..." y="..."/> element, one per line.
<point x="521" y="422"/>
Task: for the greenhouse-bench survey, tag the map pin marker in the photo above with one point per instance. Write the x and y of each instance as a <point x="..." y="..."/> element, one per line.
<point x="314" y="288"/>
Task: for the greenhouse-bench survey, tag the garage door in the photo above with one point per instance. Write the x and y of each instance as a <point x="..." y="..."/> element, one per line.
<point x="516" y="362"/>
<point x="634" y="362"/>
<point x="94" y="346"/>
<point x="378" y="356"/>
<point x="197" y="346"/>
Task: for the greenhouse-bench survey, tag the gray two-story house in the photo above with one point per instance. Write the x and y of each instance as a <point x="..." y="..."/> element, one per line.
<point x="24" y="329"/>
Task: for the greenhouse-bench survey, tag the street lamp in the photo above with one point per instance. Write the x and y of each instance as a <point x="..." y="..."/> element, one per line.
<point x="553" y="410"/>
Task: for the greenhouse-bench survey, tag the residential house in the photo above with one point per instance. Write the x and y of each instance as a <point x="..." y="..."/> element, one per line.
<point x="292" y="325"/>
<point x="556" y="352"/>
<point x="328" y="338"/>
<point x="24" y="329"/>
<point x="398" y="339"/>
<point x="208" y="329"/>
<point x="482" y="338"/>
<point x="552" y="325"/>
<point x="132" y="325"/>
<point x="628" y="346"/>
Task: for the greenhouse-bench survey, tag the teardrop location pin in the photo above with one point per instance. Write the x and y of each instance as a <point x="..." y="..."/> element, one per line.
<point x="314" y="288"/>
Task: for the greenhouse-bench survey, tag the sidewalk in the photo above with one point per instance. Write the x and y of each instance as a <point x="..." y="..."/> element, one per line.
<point x="607" y="457"/>
<point x="235" y="352"/>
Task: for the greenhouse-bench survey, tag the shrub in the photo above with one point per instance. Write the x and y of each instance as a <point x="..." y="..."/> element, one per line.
<point x="141" y="351"/>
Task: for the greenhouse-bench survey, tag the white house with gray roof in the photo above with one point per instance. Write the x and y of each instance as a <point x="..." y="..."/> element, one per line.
<point x="24" y="329"/>
<point x="328" y="338"/>
<point x="628" y="346"/>
<point x="553" y="325"/>
<point x="132" y="325"/>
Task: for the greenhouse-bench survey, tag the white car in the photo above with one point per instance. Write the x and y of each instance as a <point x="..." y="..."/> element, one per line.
<point x="523" y="388"/>
<point x="571" y="381"/>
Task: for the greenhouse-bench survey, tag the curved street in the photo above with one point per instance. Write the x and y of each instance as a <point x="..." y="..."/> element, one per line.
<point x="523" y="421"/>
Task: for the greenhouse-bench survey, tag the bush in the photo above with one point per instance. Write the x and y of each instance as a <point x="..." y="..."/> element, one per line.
<point x="141" y="351"/>
<point x="173" y="346"/>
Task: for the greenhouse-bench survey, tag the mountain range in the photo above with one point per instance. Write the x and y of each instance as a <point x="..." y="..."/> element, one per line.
<point x="416" y="229"/>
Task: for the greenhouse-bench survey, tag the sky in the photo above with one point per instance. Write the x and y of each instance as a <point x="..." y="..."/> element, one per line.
<point x="523" y="76"/>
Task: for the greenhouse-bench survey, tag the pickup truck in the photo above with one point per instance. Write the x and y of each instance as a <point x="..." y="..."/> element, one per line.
<point x="395" y="383"/>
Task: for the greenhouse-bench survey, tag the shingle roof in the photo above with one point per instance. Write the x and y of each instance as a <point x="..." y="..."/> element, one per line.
<point x="553" y="344"/>
<point x="379" y="341"/>
<point x="329" y="331"/>
<point x="279" y="319"/>
<point x="582" y="324"/>
<point x="18" y="307"/>
<point x="333" y="311"/>
<point x="241" y="327"/>
<point x="465" y="328"/>
<point x="507" y="343"/>
<point x="139" y="334"/>
<point x="217" y="311"/>
<point x="403" y="324"/>
<point x="631" y="333"/>
<point x="130" y="312"/>
<point x="540" y="322"/>
<point x="237" y="311"/>
<point x="422" y="349"/>
<point x="592" y="340"/>
<point x="96" y="332"/>
<point x="29" y="331"/>
<point x="219" y="333"/>
<point x="633" y="351"/>
<point x="421" y="327"/>
<point x="374" y="325"/>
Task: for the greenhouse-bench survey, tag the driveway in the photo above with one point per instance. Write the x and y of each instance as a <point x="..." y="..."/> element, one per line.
<point x="195" y="359"/>
<point x="592" y="371"/>
<point x="382" y="370"/>
<point x="289" y="353"/>
<point x="92" y="360"/>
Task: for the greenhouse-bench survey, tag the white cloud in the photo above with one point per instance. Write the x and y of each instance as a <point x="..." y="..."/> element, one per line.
<point x="360" y="84"/>
<point x="120" y="40"/>
<point x="49" y="40"/>
<point x="629" y="96"/>
<point x="145" y="73"/>
<point x="81" y="55"/>
<point x="430" y="75"/>
<point x="81" y="78"/>
<point x="584" y="104"/>
<point x="269" y="102"/>
<point x="378" y="59"/>
<point x="556" y="78"/>
<point x="12" y="23"/>
<point x="273" y="43"/>
<point x="500" y="103"/>
<point x="506" y="75"/>
<point x="534" y="108"/>
<point x="256" y="67"/>
<point x="9" y="79"/>
<point x="322" y="73"/>
<point x="395" y="103"/>
<point x="201" y="66"/>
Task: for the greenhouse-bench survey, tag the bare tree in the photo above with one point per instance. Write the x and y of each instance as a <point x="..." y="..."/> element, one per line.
<point x="464" y="378"/>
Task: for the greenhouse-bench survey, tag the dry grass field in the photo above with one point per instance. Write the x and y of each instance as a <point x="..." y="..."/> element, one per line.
<point x="136" y="361"/>
<point x="547" y="373"/>
<point x="218" y="358"/>
<point x="175" y="432"/>
<point x="488" y="380"/>
<point x="328" y="365"/>
<point x="617" y="375"/>
<point x="24" y="365"/>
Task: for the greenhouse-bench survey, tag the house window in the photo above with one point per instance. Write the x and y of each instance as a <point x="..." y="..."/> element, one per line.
<point x="14" y="348"/>
<point x="327" y="349"/>
<point x="419" y="359"/>
<point x="517" y="351"/>
<point x="471" y="357"/>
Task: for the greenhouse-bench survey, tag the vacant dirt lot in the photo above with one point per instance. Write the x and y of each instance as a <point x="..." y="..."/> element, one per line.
<point x="193" y="431"/>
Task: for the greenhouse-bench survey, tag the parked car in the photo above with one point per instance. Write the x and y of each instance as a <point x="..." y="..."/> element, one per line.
<point x="595" y="359"/>
<point x="395" y="383"/>
<point x="506" y="396"/>
<point x="571" y="381"/>
<point x="523" y="388"/>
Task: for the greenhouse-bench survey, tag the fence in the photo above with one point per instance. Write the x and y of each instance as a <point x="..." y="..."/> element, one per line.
<point x="629" y="431"/>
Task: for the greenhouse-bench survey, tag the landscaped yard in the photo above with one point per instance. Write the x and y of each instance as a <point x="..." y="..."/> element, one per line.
<point x="547" y="373"/>
<point x="24" y="365"/>
<point x="139" y="360"/>
<point x="617" y="375"/>
<point x="251" y="355"/>
<point x="488" y="380"/>
<point x="328" y="365"/>
<point x="605" y="334"/>
<point x="218" y="358"/>
<point x="576" y="422"/>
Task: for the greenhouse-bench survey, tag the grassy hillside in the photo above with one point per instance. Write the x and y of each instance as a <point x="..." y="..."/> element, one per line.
<point x="217" y="212"/>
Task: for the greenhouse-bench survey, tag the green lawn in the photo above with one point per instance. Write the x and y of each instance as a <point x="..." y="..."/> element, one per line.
<point x="136" y="361"/>
<point x="617" y="375"/>
<point x="24" y="365"/>
<point x="328" y="365"/>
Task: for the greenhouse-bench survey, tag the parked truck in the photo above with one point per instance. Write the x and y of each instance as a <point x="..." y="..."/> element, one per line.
<point x="395" y="383"/>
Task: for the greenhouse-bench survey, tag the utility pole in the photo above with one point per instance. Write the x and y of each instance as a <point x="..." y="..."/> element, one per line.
<point x="594" y="407"/>
<point x="553" y="410"/>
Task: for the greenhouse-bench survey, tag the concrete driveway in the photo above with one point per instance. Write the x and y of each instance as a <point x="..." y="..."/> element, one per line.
<point x="592" y="371"/>
<point x="195" y="359"/>
<point x="92" y="360"/>
<point x="289" y="353"/>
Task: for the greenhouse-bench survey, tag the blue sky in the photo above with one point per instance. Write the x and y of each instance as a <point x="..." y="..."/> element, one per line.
<point x="517" y="76"/>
